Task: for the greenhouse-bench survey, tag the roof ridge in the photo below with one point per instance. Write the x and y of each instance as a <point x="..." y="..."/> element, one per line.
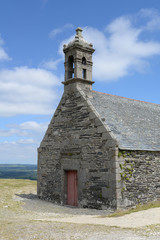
<point x="126" y="98"/>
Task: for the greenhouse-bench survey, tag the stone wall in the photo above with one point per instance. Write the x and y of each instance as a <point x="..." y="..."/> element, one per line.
<point x="77" y="139"/>
<point x="139" y="172"/>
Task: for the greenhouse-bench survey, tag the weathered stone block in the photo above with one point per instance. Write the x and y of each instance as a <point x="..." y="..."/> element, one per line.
<point x="101" y="129"/>
<point x="107" y="192"/>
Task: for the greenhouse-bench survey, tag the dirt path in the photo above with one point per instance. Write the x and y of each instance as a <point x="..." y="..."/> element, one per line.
<point x="52" y="212"/>
<point x="133" y="220"/>
<point x="139" y="226"/>
<point x="24" y="217"/>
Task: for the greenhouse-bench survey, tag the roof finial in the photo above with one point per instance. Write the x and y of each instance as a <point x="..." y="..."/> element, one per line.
<point x="79" y="32"/>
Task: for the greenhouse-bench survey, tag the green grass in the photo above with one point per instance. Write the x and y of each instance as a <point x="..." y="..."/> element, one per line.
<point x="10" y="187"/>
<point x="139" y="207"/>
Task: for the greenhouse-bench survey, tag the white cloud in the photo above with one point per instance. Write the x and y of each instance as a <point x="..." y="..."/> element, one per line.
<point x="51" y="64"/>
<point x="21" y="142"/>
<point x="7" y="132"/>
<point x="154" y="18"/>
<point x="27" y="91"/>
<point x="26" y="141"/>
<point x="57" y="31"/>
<point x="34" y="126"/>
<point x="3" y="54"/>
<point x="119" y="50"/>
<point x="12" y="152"/>
<point x="66" y="41"/>
<point x="26" y="129"/>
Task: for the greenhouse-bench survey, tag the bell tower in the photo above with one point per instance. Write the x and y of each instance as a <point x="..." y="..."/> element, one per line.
<point x="78" y="61"/>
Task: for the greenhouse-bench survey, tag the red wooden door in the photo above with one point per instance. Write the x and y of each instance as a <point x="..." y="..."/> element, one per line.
<point x="72" y="196"/>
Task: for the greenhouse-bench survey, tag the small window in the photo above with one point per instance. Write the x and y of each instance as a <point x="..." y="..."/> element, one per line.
<point x="70" y="67"/>
<point x="84" y="73"/>
<point x="84" y="61"/>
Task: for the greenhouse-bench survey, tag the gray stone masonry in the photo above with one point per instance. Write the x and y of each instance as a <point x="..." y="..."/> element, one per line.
<point x="86" y="133"/>
<point x="78" y="58"/>
<point x="77" y="139"/>
<point x="140" y="177"/>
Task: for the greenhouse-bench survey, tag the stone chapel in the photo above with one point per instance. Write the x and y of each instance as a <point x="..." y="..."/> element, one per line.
<point x="99" y="151"/>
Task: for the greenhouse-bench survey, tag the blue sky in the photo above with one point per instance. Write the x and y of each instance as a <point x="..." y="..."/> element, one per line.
<point x="125" y="35"/>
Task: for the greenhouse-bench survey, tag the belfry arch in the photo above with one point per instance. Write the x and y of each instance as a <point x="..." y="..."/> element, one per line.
<point x="84" y="72"/>
<point x="70" y="67"/>
<point x="78" y="59"/>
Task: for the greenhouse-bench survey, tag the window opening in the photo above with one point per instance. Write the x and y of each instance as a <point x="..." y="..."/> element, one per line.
<point x="84" y="61"/>
<point x="84" y="73"/>
<point x="70" y="67"/>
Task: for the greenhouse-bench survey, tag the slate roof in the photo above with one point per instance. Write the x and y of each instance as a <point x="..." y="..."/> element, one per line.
<point x="135" y="124"/>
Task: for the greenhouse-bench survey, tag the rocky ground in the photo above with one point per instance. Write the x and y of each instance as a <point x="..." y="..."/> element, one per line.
<point x="24" y="216"/>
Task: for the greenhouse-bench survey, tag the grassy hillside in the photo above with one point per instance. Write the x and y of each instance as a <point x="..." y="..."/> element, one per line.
<point x="18" y="171"/>
<point x="8" y="190"/>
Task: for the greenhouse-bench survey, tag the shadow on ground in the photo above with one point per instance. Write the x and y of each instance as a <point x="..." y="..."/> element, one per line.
<point x="30" y="196"/>
<point x="33" y="203"/>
